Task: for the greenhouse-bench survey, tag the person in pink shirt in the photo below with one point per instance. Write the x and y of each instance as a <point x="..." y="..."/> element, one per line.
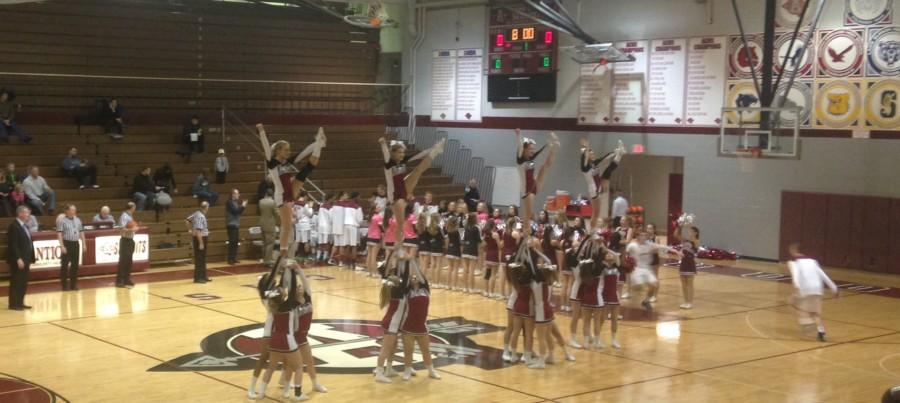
<point x="374" y="237"/>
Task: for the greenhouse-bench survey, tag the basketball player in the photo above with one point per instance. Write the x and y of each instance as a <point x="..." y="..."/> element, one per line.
<point x="642" y="251"/>
<point x="808" y="278"/>
<point x="281" y="166"/>
<point x="531" y="184"/>
<point x="689" y="236"/>
<point x="415" y="331"/>
<point x="400" y="183"/>
<point x="597" y="172"/>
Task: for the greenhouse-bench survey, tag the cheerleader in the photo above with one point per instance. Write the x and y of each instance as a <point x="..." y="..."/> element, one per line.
<point x="281" y="166"/>
<point x="520" y="310"/>
<point x="654" y="265"/>
<point x="556" y="235"/>
<point x="808" y="278"/>
<point x="262" y="362"/>
<point x="609" y="294"/>
<point x="689" y="236"/>
<point x="598" y="179"/>
<point x="313" y="232"/>
<point x="642" y="251"/>
<point x="531" y="183"/>
<point x="394" y="299"/>
<point x="481" y="210"/>
<point x="423" y="240"/>
<point x="510" y="244"/>
<point x="374" y="238"/>
<point x="415" y="330"/>
<point x="436" y="249"/>
<point x="543" y="310"/>
<point x="577" y="250"/>
<point x="453" y="241"/>
<point x="621" y="237"/>
<point x="400" y="184"/>
<point x="471" y="244"/>
<point x="590" y="290"/>
<point x="492" y="245"/>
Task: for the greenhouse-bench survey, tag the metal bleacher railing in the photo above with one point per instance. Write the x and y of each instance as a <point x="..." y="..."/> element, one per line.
<point x="456" y="161"/>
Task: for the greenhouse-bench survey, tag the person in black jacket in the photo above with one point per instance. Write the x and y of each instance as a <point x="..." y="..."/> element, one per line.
<point x="193" y="138"/>
<point x="144" y="190"/>
<point x="111" y="117"/>
<point x="19" y="256"/>
<point x="164" y="179"/>
<point x="472" y="196"/>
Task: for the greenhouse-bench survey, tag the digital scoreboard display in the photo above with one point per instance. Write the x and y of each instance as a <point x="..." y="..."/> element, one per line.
<point x="519" y="45"/>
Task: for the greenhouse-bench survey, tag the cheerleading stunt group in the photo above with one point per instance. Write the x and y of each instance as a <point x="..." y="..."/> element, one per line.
<point x="596" y="262"/>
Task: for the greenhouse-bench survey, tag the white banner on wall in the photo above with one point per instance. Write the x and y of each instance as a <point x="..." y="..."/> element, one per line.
<point x="628" y="86"/>
<point x="48" y="254"/>
<point x="456" y="85"/>
<point x="665" y="82"/>
<point x="705" y="80"/>
<point x="106" y="249"/>
<point x="595" y="97"/>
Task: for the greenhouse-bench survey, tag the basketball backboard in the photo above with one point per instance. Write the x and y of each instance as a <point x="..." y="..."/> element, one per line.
<point x="760" y="132"/>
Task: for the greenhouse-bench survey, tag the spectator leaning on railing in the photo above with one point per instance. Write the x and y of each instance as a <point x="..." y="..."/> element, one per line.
<point x="78" y="167"/>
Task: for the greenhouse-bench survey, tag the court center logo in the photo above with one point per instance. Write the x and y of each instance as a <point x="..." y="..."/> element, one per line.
<point x="342" y="347"/>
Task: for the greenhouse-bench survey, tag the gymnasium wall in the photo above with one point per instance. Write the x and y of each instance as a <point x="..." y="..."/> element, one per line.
<point x="189" y="40"/>
<point x="737" y="201"/>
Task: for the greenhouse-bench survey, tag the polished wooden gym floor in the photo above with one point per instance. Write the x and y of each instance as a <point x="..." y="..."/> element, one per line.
<point x="169" y="340"/>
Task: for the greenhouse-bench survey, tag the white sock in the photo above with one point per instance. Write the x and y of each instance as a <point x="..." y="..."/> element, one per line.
<point x="253" y="381"/>
<point x="262" y="388"/>
<point x="821" y="328"/>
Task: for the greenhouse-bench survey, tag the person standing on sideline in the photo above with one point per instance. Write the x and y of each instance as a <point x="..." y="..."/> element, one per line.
<point x="222" y="167"/>
<point x="41" y="198"/>
<point x="19" y="256"/>
<point x="267" y="220"/>
<point x="234" y="208"/>
<point x="472" y="196"/>
<point x="200" y="237"/>
<point x="619" y="208"/>
<point x="8" y="119"/>
<point x="70" y="231"/>
<point x="126" y="245"/>
<point x="78" y="168"/>
<point x="808" y="279"/>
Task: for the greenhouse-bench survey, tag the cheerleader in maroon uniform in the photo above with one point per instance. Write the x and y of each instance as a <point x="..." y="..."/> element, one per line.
<point x="281" y="167"/>
<point x="526" y="153"/>
<point x="520" y="311"/>
<point x="577" y="251"/>
<point x="591" y="290"/>
<point x="557" y="238"/>
<point x="610" y="278"/>
<point x="374" y="239"/>
<point x="689" y="236"/>
<point x="415" y="330"/>
<point x="471" y="245"/>
<point x="393" y="297"/>
<point x="492" y="246"/>
<point x="266" y="282"/>
<point x="436" y="249"/>
<point x="400" y="182"/>
<point x="597" y="176"/>
<point x="453" y="241"/>
<point x="543" y="311"/>
<point x="423" y="241"/>
<point x="623" y="236"/>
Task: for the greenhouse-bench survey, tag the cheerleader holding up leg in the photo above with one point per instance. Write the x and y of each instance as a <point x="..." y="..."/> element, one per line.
<point x="281" y="167"/>
<point x="400" y="184"/>
<point x="415" y="331"/>
<point x="597" y="172"/>
<point x="531" y="184"/>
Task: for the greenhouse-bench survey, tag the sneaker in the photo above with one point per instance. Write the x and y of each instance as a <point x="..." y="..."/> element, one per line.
<point x="574" y="343"/>
<point x="569" y="356"/>
<point x="598" y="344"/>
<point x="95" y="186"/>
<point x="252" y="395"/>
<point x="318" y="387"/>
<point x="615" y="344"/>
<point x="433" y="374"/>
<point x="390" y="372"/>
<point x="513" y="357"/>
<point x="647" y="306"/>
<point x="506" y="356"/>
<point x="437" y="149"/>
<point x="550" y="358"/>
<point x="626" y="295"/>
<point x="408" y="373"/>
<point x="287" y="392"/>
<point x="302" y="398"/>
<point x="320" y="137"/>
<point x="653" y="299"/>
<point x="537" y="363"/>
<point x="80" y="187"/>
<point x="380" y="377"/>
<point x="685" y="306"/>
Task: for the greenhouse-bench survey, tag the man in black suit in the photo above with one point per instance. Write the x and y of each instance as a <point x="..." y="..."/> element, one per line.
<point x="20" y="256"/>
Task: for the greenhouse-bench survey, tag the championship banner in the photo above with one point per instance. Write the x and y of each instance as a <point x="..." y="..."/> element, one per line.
<point x="106" y="249"/>
<point x="705" y="80"/>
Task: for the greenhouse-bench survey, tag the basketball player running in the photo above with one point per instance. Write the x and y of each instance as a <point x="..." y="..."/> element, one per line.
<point x="642" y="251"/>
<point x="400" y="183"/>
<point x="281" y="167"/>
<point x="808" y="278"/>
<point x="526" y="153"/>
<point x="597" y="172"/>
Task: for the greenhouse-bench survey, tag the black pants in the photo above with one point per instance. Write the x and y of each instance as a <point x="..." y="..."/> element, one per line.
<point x="113" y="127"/>
<point x="68" y="269"/>
<point x="6" y="207"/>
<point x="126" y="250"/>
<point x="86" y="175"/>
<point x="18" y="284"/>
<point x="220" y="177"/>
<point x="200" y="259"/>
<point x="233" y="233"/>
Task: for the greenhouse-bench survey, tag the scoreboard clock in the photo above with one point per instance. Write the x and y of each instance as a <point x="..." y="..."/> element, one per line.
<point x="521" y="57"/>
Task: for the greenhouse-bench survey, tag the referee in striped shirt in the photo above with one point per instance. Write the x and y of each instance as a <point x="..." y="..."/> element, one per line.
<point x="199" y="229"/>
<point x="69" y="232"/>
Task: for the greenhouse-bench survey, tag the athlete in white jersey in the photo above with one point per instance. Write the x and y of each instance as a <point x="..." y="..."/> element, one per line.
<point x="642" y="251"/>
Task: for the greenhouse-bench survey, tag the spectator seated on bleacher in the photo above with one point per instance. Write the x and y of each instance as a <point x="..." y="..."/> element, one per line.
<point x="6" y="208"/>
<point x="17" y="196"/>
<point x="203" y="190"/>
<point x="39" y="196"/>
<point x="11" y="176"/>
<point x="105" y="216"/>
<point x="144" y="190"/>
<point x="111" y="116"/>
<point x="164" y="179"/>
<point x="78" y="168"/>
<point x="8" y="118"/>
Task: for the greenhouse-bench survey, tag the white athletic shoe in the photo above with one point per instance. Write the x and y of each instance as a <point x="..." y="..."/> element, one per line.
<point x="437" y="149"/>
<point x="252" y="395"/>
<point x="287" y="392"/>
<point x="569" y="356"/>
<point x="320" y="137"/>
<point x="390" y="372"/>
<point x="574" y="343"/>
<point x="598" y="344"/>
<point x="318" y="387"/>
<point x="550" y="358"/>
<point x="408" y="373"/>
<point x="433" y="374"/>
<point x="302" y="398"/>
<point x="626" y="295"/>
<point x="380" y="377"/>
<point x="537" y="363"/>
<point x="615" y="344"/>
<point x="653" y="299"/>
<point x="506" y="356"/>
<point x="685" y="306"/>
<point x="513" y="357"/>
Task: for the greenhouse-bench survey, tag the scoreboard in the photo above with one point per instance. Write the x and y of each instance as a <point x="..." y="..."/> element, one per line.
<point x="521" y="56"/>
<point x="518" y="45"/>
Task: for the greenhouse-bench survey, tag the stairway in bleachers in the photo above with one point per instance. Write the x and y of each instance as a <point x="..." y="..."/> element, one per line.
<point x="352" y="161"/>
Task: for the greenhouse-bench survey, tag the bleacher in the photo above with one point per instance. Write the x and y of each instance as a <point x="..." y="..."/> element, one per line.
<point x="352" y="161"/>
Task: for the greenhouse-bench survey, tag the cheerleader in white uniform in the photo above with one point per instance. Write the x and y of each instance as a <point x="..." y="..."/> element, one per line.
<point x="526" y="153"/>
<point x="610" y="295"/>
<point x="597" y="172"/>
